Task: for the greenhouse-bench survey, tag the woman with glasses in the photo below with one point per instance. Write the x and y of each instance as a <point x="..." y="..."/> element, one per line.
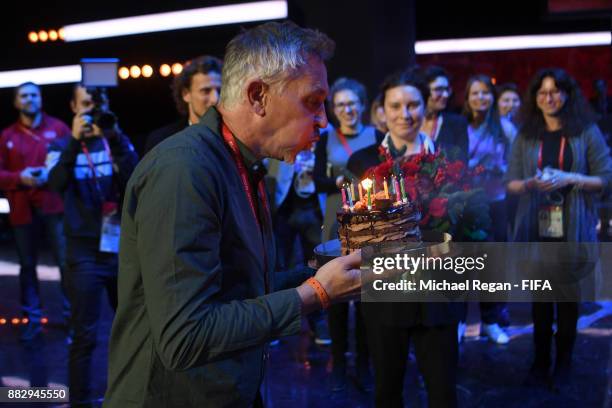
<point x="348" y="102"/>
<point x="490" y="138"/>
<point x="559" y="156"/>
<point x="447" y="130"/>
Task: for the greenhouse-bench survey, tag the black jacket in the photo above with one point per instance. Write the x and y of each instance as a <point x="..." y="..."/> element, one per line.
<point x="70" y="174"/>
<point x="159" y="135"/>
<point x="193" y="316"/>
<point x="453" y="134"/>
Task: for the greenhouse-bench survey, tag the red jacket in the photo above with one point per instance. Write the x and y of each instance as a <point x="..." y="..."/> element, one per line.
<point x="21" y="147"/>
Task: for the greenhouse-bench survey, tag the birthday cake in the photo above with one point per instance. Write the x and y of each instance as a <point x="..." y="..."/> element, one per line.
<point x="384" y="220"/>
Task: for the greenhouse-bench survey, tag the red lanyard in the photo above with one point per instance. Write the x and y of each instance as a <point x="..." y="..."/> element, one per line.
<point x="30" y="133"/>
<point x="231" y="142"/>
<point x="345" y="144"/>
<point x="561" y="153"/>
<point x="93" y="167"/>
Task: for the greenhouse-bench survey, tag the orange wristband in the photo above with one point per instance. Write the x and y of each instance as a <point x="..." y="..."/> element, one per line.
<point x="321" y="293"/>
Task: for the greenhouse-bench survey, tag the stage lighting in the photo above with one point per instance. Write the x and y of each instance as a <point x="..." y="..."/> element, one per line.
<point x="124" y="73"/>
<point x="165" y="70"/>
<point x="43" y="36"/>
<point x="33" y="37"/>
<point x="177" y="68"/>
<point x="53" y="35"/>
<point x="519" y="42"/>
<point x="15" y="321"/>
<point x="176" y="20"/>
<point x="147" y="71"/>
<point x="2" y="321"/>
<point x="61" y="33"/>
<point x="134" y="71"/>
<point x="41" y="76"/>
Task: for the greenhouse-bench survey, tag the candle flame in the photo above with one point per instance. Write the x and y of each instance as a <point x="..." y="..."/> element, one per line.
<point x="366" y="183"/>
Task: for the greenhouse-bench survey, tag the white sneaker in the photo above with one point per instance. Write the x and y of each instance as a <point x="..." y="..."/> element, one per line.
<point x="495" y="333"/>
<point x="461" y="331"/>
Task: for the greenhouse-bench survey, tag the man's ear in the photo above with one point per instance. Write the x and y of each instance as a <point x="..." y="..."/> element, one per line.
<point x="186" y="95"/>
<point x="258" y="93"/>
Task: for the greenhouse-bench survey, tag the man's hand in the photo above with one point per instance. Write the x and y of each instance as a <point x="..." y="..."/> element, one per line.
<point x="29" y="179"/>
<point x="341" y="279"/>
<point x="82" y="126"/>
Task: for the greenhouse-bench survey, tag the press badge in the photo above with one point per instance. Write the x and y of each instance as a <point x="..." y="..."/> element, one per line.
<point x="550" y="219"/>
<point x="111" y="228"/>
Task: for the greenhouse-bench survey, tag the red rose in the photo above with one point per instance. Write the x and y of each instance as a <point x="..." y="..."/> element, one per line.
<point x="425" y="220"/>
<point x="410" y="169"/>
<point x="440" y="177"/>
<point x="455" y="170"/>
<point x="437" y="207"/>
<point x="381" y="171"/>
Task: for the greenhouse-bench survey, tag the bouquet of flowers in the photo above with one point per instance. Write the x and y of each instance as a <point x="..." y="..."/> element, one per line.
<point x="443" y="190"/>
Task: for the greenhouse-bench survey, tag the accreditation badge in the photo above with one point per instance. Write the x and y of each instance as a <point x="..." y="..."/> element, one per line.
<point x="111" y="228"/>
<point x="550" y="218"/>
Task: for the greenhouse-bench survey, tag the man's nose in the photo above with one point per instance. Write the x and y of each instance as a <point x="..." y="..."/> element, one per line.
<point x="321" y="118"/>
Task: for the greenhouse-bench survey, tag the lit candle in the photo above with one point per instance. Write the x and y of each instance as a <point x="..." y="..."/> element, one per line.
<point x="373" y="185"/>
<point x="360" y="192"/>
<point x="343" y="196"/>
<point x="367" y="184"/>
<point x="386" y="188"/>
<point x="404" y="198"/>
<point x="396" y="186"/>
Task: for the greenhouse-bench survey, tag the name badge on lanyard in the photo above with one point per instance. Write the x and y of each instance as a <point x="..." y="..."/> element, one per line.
<point x="111" y="228"/>
<point x="550" y="219"/>
<point x="550" y="213"/>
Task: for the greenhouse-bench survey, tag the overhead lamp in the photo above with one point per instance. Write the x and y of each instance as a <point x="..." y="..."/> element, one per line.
<point x="519" y="42"/>
<point x="177" y="20"/>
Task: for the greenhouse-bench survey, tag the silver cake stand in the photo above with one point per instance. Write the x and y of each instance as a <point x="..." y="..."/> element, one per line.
<point x="433" y="243"/>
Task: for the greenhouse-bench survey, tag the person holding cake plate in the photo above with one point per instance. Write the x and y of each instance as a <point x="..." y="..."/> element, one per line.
<point x="390" y="326"/>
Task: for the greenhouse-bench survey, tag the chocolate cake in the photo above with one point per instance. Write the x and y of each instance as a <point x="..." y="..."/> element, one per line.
<point x="385" y="222"/>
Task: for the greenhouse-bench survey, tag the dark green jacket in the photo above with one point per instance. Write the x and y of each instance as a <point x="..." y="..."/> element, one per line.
<point x="193" y="315"/>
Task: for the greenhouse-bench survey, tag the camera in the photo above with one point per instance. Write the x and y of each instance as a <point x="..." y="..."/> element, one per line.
<point x="96" y="75"/>
<point x="103" y="117"/>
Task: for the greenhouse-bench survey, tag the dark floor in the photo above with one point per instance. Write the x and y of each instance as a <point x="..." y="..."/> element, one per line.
<point x="489" y="375"/>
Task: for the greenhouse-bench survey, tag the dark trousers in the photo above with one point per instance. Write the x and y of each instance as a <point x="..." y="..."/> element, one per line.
<point x="26" y="240"/>
<point x="543" y="318"/>
<point x="91" y="275"/>
<point x="436" y="354"/>
<point x="490" y="312"/>
<point x="338" y="316"/>
<point x="494" y="312"/>
<point x="297" y="218"/>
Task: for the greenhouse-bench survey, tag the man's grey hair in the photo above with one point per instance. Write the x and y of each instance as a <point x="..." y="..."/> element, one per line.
<point x="272" y="52"/>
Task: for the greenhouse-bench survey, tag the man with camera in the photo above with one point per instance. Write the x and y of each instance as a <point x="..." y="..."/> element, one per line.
<point x="91" y="169"/>
<point x="23" y="148"/>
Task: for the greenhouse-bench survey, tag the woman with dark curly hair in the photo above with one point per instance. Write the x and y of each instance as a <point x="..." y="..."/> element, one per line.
<point x="559" y="156"/>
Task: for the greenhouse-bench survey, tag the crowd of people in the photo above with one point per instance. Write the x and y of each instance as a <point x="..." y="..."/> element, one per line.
<point x="72" y="181"/>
